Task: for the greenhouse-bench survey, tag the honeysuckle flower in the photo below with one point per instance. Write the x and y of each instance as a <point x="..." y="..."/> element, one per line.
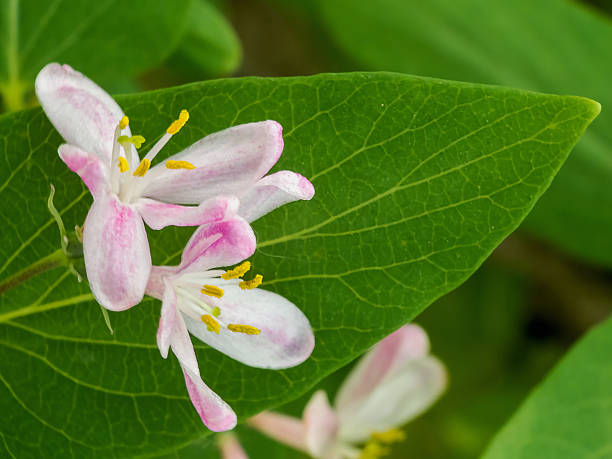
<point x="395" y="382"/>
<point x="102" y="151"/>
<point x="254" y="326"/>
<point x="230" y="447"/>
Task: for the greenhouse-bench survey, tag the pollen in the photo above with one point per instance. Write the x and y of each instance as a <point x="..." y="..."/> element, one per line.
<point x="171" y="164"/>
<point x="179" y="123"/>
<point x="211" y="324"/>
<point x="142" y="168"/>
<point x="124" y="122"/>
<point x="123" y="164"/>
<point x="212" y="290"/>
<point x="390" y="436"/>
<point x="237" y="272"/>
<point x="136" y="140"/>
<point x="246" y="329"/>
<point x="216" y="311"/>
<point x="251" y="284"/>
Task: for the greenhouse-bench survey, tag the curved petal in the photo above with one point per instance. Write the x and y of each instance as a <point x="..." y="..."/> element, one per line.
<point x="395" y="401"/>
<point x="321" y="424"/>
<point x="406" y="343"/>
<point x="227" y="162"/>
<point x="87" y="166"/>
<point x="156" y="286"/>
<point x="217" y="415"/>
<point x="83" y="113"/>
<point x="158" y="215"/>
<point x="285" y="337"/>
<point x="230" y="447"/>
<point x="168" y="319"/>
<point x="282" y="428"/>
<point x="218" y="244"/>
<point x="273" y="191"/>
<point x="116" y="252"/>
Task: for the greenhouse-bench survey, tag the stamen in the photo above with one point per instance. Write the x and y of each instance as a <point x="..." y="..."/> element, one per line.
<point x="123" y="164"/>
<point x="251" y="284"/>
<point x="212" y="290"/>
<point x="179" y="123"/>
<point x="142" y="168"/>
<point x="124" y="122"/>
<point x="216" y="311"/>
<point x="171" y="164"/>
<point x="211" y="324"/>
<point x="136" y="140"/>
<point x="390" y="436"/>
<point x="237" y="272"/>
<point x="246" y="329"/>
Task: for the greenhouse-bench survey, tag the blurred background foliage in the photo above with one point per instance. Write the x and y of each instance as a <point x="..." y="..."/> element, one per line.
<point x="503" y="330"/>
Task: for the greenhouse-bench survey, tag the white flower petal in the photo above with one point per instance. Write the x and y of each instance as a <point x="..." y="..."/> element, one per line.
<point x="83" y="113"/>
<point x="273" y="191"/>
<point x="88" y="166"/>
<point x="227" y="162"/>
<point x="321" y="425"/>
<point x="282" y="428"/>
<point x="396" y="400"/>
<point x="116" y="252"/>
<point x="406" y="343"/>
<point x="286" y="338"/>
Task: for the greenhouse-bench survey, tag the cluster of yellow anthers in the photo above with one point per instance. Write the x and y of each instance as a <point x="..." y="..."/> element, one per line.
<point x="212" y="323"/>
<point x="375" y="449"/>
<point x="138" y="140"/>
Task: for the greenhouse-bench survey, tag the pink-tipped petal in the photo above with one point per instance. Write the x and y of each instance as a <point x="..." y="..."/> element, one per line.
<point x="158" y="214"/>
<point x="406" y="343"/>
<point x="83" y="113"/>
<point x="399" y="398"/>
<point x="218" y="244"/>
<point x="282" y="428"/>
<point x="285" y="337"/>
<point x="227" y="162"/>
<point x="87" y="166"/>
<point x="168" y="319"/>
<point x="230" y="447"/>
<point x="217" y="415"/>
<point x="116" y="252"/>
<point x="321" y="425"/>
<point x="273" y="191"/>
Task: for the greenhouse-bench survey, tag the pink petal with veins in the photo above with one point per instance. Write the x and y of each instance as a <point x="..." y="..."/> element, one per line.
<point x="88" y="166"/>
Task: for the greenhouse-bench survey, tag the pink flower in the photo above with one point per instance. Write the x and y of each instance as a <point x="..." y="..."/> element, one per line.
<point x="230" y="447"/>
<point x="254" y="326"/>
<point x="207" y="176"/>
<point x="395" y="382"/>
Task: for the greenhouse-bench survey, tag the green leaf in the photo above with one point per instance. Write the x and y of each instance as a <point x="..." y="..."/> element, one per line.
<point x="107" y="40"/>
<point x="417" y="180"/>
<point x="553" y="46"/>
<point x="568" y="415"/>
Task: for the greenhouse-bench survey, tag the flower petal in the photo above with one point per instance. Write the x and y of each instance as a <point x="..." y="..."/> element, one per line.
<point x="408" y="392"/>
<point x="406" y="343"/>
<point x="227" y="162"/>
<point x="168" y="319"/>
<point x="321" y="425"/>
<point x="285" y="337"/>
<point x="88" y="166"/>
<point x="116" y="252"/>
<point x="230" y="447"/>
<point x="83" y="113"/>
<point x="218" y="244"/>
<point x="282" y="428"/>
<point x="273" y="191"/>
<point x="158" y="214"/>
<point x="217" y="415"/>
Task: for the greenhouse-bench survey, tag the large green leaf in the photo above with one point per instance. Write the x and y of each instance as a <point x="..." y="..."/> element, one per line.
<point x="568" y="415"/>
<point x="417" y="180"/>
<point x="547" y="45"/>
<point x="108" y="40"/>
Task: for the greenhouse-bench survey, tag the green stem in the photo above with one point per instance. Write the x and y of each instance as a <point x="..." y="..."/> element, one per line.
<point x="13" y="90"/>
<point x="54" y="260"/>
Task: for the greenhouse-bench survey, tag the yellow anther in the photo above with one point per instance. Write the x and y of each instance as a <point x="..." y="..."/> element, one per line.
<point x="212" y="290"/>
<point x="237" y="272"/>
<point x="179" y="123"/>
<point x="124" y="122"/>
<point x="373" y="450"/>
<point x="142" y="168"/>
<point x="246" y="329"/>
<point x="216" y="311"/>
<point x="390" y="436"/>
<point x="171" y="164"/>
<point x="251" y="284"/>
<point x="136" y="140"/>
<point x="211" y="324"/>
<point x="123" y="164"/>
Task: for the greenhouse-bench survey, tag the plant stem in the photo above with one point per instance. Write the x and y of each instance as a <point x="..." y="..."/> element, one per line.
<point x="54" y="260"/>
